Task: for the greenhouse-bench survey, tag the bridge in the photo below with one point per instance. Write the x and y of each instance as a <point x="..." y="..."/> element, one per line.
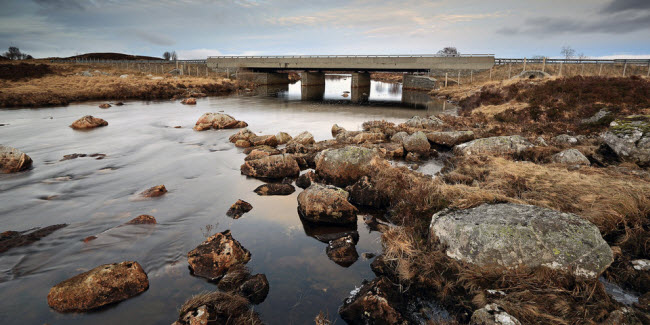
<point x="267" y="70"/>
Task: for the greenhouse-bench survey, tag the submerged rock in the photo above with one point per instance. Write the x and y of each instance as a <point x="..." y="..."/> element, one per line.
<point x="510" y="234"/>
<point x="450" y="138"/>
<point x="100" y="286"/>
<point x="376" y="302"/>
<point x="238" y="209"/>
<point x="326" y="204"/>
<point x="275" y="189"/>
<point x="88" y="122"/>
<point x="492" y="314"/>
<point x="570" y="157"/>
<point x="13" y="160"/>
<point x="344" y="166"/>
<point x="217" y="121"/>
<point x="494" y="145"/>
<point x="417" y="143"/>
<point x="11" y="239"/>
<point x="273" y="167"/>
<point x="255" y="289"/>
<point x="629" y="138"/>
<point x="155" y="191"/>
<point x="342" y="251"/>
<point x="424" y="123"/>
<point x="216" y="255"/>
<point x="144" y="219"/>
<point x="105" y="105"/>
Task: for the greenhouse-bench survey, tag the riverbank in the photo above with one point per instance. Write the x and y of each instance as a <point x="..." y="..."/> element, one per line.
<point x="38" y="84"/>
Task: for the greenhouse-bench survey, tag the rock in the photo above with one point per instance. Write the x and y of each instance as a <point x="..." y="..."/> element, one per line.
<point x="217" y="121"/>
<point x="644" y="302"/>
<point x="283" y="137"/>
<point x="365" y="194"/>
<point x="368" y="255"/>
<point x="424" y="123"/>
<point x="450" y="138"/>
<point x="347" y="136"/>
<point x="342" y="251"/>
<point x="273" y="167"/>
<point x="13" y="160"/>
<point x="275" y="189"/>
<point x="399" y="137"/>
<point x="641" y="265"/>
<point x="234" y="278"/>
<point x="568" y="139"/>
<point x="375" y="302"/>
<point x="216" y="255"/>
<point x="393" y="150"/>
<point x="570" y="157"/>
<point x="417" y="143"/>
<point x="243" y="134"/>
<point x="189" y="101"/>
<point x="264" y="140"/>
<point x="344" y="166"/>
<point x="242" y="144"/>
<point x="86" y="74"/>
<point x="492" y="314"/>
<point x="217" y="308"/>
<point x="257" y="154"/>
<point x="413" y="157"/>
<point x="374" y="224"/>
<point x="623" y="316"/>
<point x="105" y="105"/>
<point x="124" y="76"/>
<point x="540" y="141"/>
<point x="304" y="138"/>
<point x="326" y="204"/>
<point x="88" y="122"/>
<point x="142" y="220"/>
<point x="255" y="289"/>
<point x="11" y="239"/>
<point x="599" y="117"/>
<point x="305" y="180"/>
<point x="155" y="191"/>
<point x="510" y="234"/>
<point x="270" y="150"/>
<point x="629" y="138"/>
<point x="119" y="104"/>
<point x="370" y="137"/>
<point x="336" y="129"/>
<point x="494" y="145"/>
<point x="238" y="209"/>
<point x="415" y="167"/>
<point x="103" y="285"/>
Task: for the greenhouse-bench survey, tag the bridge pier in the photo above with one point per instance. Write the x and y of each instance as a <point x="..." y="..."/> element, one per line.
<point x="312" y="78"/>
<point x="360" y="95"/>
<point x="264" y="78"/>
<point x="360" y="79"/>
<point x="414" y="82"/>
<point x="312" y="93"/>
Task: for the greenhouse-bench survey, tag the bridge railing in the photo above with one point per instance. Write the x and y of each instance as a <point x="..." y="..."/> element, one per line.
<point x="344" y="56"/>
<point x="501" y="61"/>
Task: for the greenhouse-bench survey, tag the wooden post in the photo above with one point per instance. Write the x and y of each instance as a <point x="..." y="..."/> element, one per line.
<point x="582" y="71"/>
<point x="471" y="76"/>
<point x="524" y="65"/>
<point x="648" y="75"/>
<point x="490" y="73"/>
<point x="544" y="65"/>
<point x="446" y="73"/>
<point x="600" y="70"/>
<point x="459" y="77"/>
<point x="509" y="70"/>
<point x="624" y="68"/>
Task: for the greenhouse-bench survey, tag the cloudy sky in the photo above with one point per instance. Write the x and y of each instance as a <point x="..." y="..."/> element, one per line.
<point x="198" y="28"/>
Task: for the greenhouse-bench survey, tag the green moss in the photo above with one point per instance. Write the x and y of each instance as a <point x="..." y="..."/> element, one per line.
<point x="632" y="123"/>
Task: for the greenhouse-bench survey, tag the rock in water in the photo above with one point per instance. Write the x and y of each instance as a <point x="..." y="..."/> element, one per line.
<point x="144" y="219"/>
<point x="11" y="239"/>
<point x="304" y="138"/>
<point x="217" y="121"/>
<point x="13" y="160"/>
<point x="450" y="138"/>
<point x="376" y="302"/>
<point x="326" y="204"/>
<point x="216" y="255"/>
<point x="100" y="286"/>
<point x="305" y="180"/>
<point x="255" y="289"/>
<point x="629" y="138"/>
<point x="364" y="193"/>
<point x="189" y="101"/>
<point x="264" y="140"/>
<point x="243" y="134"/>
<point x="570" y="157"/>
<point x="512" y="234"/>
<point x="106" y="105"/>
<point x="344" y="166"/>
<point x="495" y="145"/>
<point x="492" y="314"/>
<point x="238" y="209"/>
<point x="274" y="167"/>
<point x="217" y="308"/>
<point x="283" y="137"/>
<point x="88" y="122"/>
<point x="275" y="189"/>
<point x="155" y="191"/>
<point x="417" y="143"/>
<point x="342" y="251"/>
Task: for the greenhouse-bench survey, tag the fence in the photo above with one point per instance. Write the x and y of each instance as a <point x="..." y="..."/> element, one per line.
<point x="154" y="67"/>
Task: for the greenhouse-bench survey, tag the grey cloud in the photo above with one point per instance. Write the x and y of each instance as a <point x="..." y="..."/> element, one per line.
<point x="613" y="24"/>
<point x="624" y="5"/>
<point x="153" y="38"/>
<point x="62" y="4"/>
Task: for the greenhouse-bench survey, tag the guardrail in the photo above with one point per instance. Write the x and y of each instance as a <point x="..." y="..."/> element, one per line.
<point x="501" y="61"/>
<point x="345" y="56"/>
<point x="129" y="61"/>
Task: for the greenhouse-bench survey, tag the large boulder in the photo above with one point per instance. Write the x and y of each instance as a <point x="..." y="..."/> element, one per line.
<point x="513" y="234"/>
<point x="494" y="145"/>
<point x="570" y="157"/>
<point x="100" y="286"/>
<point x="424" y="122"/>
<point x="304" y="138"/>
<point x="344" y="166"/>
<point x="417" y="143"/>
<point x="88" y="122"/>
<point x="216" y="255"/>
<point x="450" y="138"/>
<point x="13" y="160"/>
<point x="217" y="121"/>
<point x="326" y="204"/>
<point x="629" y="138"/>
<point x="276" y="166"/>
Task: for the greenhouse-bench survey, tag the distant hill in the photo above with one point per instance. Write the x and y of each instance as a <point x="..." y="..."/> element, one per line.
<point x="112" y="56"/>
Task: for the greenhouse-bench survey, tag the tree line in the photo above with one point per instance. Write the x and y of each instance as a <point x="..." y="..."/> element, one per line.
<point x="14" y="53"/>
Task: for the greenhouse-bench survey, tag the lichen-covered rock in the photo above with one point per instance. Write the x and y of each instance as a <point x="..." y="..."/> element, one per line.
<point x="417" y="143"/>
<point x="216" y="255"/>
<point x="399" y="137"/>
<point x="629" y="138"/>
<point x="257" y="154"/>
<point x="217" y="121"/>
<point x="273" y="167"/>
<point x="275" y="189"/>
<point x="336" y="129"/>
<point x="342" y="251"/>
<point x="155" y="191"/>
<point x="568" y="139"/>
<point x="492" y="314"/>
<point x="450" y="138"/>
<point x="238" y="209"/>
<point x="570" y="157"/>
<point x="243" y="134"/>
<point x="344" y="166"/>
<point x="13" y="160"/>
<point x="264" y="140"/>
<point x="510" y="234"/>
<point x="377" y="302"/>
<point x="304" y="138"/>
<point x="494" y="145"/>
<point x="283" y="137"/>
<point x="365" y="194"/>
<point x="392" y="150"/>
<point x="369" y="137"/>
<point x="326" y="204"/>
<point x="424" y="122"/>
<point x="88" y="122"/>
<point x="600" y="117"/>
<point x="100" y="286"/>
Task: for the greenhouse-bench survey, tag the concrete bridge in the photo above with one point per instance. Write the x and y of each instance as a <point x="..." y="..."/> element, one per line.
<point x="267" y="70"/>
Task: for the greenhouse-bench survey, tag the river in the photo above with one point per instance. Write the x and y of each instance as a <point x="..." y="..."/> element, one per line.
<point x="201" y="172"/>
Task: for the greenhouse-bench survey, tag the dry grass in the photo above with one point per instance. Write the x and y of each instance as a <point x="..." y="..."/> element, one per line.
<point x="322" y="319"/>
<point x="225" y="307"/>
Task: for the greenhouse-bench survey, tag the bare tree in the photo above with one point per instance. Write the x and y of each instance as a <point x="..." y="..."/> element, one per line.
<point x="174" y="56"/>
<point x="568" y="52"/>
<point x="167" y="55"/>
<point x="449" y="51"/>
<point x="13" y="53"/>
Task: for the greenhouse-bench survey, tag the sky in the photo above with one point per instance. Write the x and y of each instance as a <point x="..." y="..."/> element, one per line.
<point x="196" y="29"/>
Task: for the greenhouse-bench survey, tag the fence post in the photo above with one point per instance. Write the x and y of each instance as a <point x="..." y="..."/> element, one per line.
<point x="544" y="65"/>
<point x="446" y="73"/>
<point x="648" y="75"/>
<point x="471" y="76"/>
<point x="459" y="77"/>
<point x="624" y="68"/>
<point x="600" y="70"/>
<point x="490" y="73"/>
<point x="524" y="65"/>
<point x="582" y="70"/>
<point x="509" y="70"/>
